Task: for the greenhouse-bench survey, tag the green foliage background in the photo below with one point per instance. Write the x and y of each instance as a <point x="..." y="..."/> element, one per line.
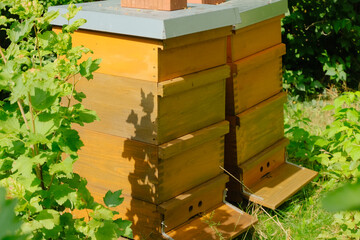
<point x="323" y="47"/>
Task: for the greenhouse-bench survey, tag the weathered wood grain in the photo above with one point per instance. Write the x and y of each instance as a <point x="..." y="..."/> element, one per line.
<point x="256" y="78"/>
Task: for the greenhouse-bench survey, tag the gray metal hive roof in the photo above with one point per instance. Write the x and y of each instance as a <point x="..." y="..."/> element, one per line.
<point x="108" y="16"/>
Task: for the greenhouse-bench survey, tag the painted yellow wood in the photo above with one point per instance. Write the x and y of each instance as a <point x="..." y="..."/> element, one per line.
<point x="114" y="163"/>
<point x="191" y="203"/>
<point x="167" y="5"/>
<point x="156" y="112"/>
<point x="194" y="139"/>
<point x="257" y="78"/>
<point x="155" y="60"/>
<point x="231" y="223"/>
<point x="254" y="38"/>
<point x="279" y="185"/>
<point x="255" y="129"/>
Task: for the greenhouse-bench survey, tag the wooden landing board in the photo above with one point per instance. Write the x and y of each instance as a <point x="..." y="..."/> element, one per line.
<point x="255" y="79"/>
<point x="155" y="60"/>
<point x="231" y="224"/>
<point x="254" y="38"/>
<point x="279" y="185"/>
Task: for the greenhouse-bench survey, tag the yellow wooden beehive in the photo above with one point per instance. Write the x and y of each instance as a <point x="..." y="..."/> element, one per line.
<point x="160" y="96"/>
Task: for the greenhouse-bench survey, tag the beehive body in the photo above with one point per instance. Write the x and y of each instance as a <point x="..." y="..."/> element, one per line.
<point x="149" y="172"/>
<point x="156" y="112"/>
<point x="167" y="5"/>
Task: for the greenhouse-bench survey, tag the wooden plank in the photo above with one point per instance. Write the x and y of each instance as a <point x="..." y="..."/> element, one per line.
<point x="120" y="163"/>
<point x="130" y="108"/>
<point x="263" y="163"/>
<point x="190" y="169"/>
<point x="259" y="127"/>
<point x="191" y="203"/>
<point x="261" y="69"/>
<point x="190" y="111"/>
<point x="194" y="139"/>
<point x="188" y="59"/>
<point x="195" y="80"/>
<point x="279" y="185"/>
<point x="254" y="38"/>
<point x="228" y="222"/>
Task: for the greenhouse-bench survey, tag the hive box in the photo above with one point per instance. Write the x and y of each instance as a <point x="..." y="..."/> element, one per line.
<point x="267" y="178"/>
<point x="255" y="129"/>
<point x="254" y="38"/>
<point x="155" y="60"/>
<point x="255" y="79"/>
<point x="204" y="200"/>
<point x="156" y="112"/>
<point x="168" y="5"/>
<point x="148" y="172"/>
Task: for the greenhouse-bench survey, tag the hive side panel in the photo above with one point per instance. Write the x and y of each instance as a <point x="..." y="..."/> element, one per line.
<point x="126" y="107"/>
<point x="192" y="58"/>
<point x="111" y="162"/>
<point x="121" y="55"/>
<point x="254" y="38"/>
<point x="260" y="127"/>
<point x="191" y="168"/>
<point x="197" y="200"/>
<point x="192" y="110"/>
<point x="258" y="78"/>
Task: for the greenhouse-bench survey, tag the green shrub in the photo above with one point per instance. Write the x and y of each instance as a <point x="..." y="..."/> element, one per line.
<point x="323" y="46"/>
<point x="38" y="145"/>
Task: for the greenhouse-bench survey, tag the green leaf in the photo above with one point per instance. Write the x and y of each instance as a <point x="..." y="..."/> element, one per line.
<point x="328" y="107"/>
<point x="41" y="99"/>
<point x="48" y="218"/>
<point x="62" y="193"/>
<point x="74" y="26"/>
<point x="19" y="30"/>
<point x="124" y="228"/>
<point x="23" y="165"/>
<point x="8" y="221"/>
<point x="343" y="199"/>
<point x="72" y="11"/>
<point x="88" y="67"/>
<point x="112" y="199"/>
<point x="64" y="167"/>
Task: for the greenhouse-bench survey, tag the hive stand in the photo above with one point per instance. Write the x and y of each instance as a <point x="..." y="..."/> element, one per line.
<point x="160" y="95"/>
<point x="255" y="146"/>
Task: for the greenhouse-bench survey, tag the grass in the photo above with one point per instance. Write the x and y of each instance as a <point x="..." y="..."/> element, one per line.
<point x="302" y="216"/>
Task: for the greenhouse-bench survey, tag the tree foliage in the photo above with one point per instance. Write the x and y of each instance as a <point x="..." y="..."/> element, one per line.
<point x="38" y="145"/>
<point x="323" y="46"/>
